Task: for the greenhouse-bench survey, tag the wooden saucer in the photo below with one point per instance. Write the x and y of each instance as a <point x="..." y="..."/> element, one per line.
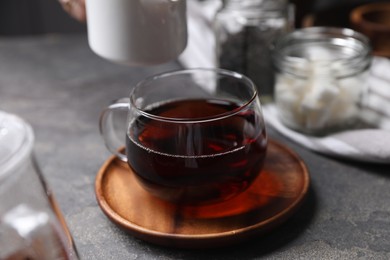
<point x="272" y="198"/>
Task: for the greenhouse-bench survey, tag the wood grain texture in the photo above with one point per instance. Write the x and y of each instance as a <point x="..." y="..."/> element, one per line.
<point x="272" y="198"/>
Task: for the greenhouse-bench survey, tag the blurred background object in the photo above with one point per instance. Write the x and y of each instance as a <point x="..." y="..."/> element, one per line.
<point x="29" y="17"/>
<point x="47" y="16"/>
<point x="373" y="20"/>
<point x="31" y="223"/>
<point x="245" y="31"/>
<point x="321" y="77"/>
<point x="327" y="12"/>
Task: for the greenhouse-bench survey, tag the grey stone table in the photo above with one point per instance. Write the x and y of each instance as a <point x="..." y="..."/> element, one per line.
<point x="58" y="85"/>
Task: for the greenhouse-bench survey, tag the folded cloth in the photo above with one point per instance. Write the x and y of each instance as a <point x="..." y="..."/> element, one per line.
<point x="376" y="102"/>
<point x="200" y="50"/>
<point x="369" y="145"/>
<point x="380" y="68"/>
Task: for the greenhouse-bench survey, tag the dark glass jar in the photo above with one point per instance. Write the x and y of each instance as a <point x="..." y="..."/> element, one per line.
<point x="245" y="31"/>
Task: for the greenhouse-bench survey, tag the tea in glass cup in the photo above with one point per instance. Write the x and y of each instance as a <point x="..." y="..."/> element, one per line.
<point x="193" y="136"/>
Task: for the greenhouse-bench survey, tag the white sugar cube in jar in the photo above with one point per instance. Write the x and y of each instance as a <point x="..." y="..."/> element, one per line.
<point x="321" y="75"/>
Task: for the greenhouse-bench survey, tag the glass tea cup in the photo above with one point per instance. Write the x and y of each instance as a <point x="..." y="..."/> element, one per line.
<point x="31" y="224"/>
<point x="193" y="136"/>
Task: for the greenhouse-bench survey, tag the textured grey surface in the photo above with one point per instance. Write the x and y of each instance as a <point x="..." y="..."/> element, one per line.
<point x="58" y="85"/>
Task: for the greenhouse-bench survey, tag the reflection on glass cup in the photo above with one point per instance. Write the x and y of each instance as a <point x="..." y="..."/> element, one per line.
<point x="193" y="136"/>
<point x="31" y="224"/>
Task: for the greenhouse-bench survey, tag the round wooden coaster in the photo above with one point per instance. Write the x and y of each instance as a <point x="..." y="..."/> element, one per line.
<point x="272" y="198"/>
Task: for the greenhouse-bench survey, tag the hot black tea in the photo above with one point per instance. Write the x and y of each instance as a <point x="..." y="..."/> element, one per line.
<point x="208" y="150"/>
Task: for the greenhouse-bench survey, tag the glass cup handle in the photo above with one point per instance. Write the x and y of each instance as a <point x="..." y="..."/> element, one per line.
<point x="107" y="130"/>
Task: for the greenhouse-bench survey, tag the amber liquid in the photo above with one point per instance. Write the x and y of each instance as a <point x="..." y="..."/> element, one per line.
<point x="196" y="163"/>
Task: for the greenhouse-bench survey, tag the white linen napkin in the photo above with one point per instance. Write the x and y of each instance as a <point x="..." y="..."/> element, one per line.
<point x="369" y="145"/>
<point x="200" y="49"/>
<point x="376" y="102"/>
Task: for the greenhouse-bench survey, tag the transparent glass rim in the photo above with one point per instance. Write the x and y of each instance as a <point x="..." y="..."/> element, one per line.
<point x="317" y="34"/>
<point x="261" y="10"/>
<point x="321" y="31"/>
<point x="22" y="151"/>
<point x="260" y="4"/>
<point x="217" y="72"/>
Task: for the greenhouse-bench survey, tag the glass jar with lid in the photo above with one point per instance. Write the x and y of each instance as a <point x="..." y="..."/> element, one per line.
<point x="245" y="31"/>
<point x="31" y="223"/>
<point x="321" y="78"/>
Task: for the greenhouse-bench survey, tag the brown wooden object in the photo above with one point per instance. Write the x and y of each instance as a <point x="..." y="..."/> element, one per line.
<point x="373" y="20"/>
<point x="273" y="197"/>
